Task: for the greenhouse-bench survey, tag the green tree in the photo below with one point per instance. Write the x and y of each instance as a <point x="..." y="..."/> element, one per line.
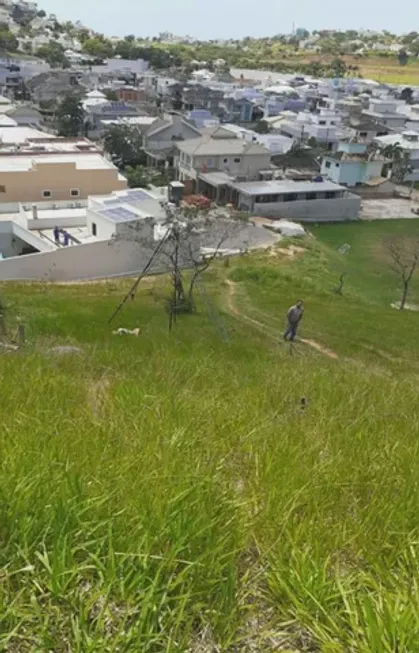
<point x="407" y="95"/>
<point x="124" y="145"/>
<point x="403" y="57"/>
<point x="8" y="41"/>
<point x="400" y="162"/>
<point x="41" y="13"/>
<point x="53" y="53"/>
<point x="98" y="47"/>
<point x="111" y="95"/>
<point x="338" y="68"/>
<point x="70" y="116"/>
<point x="138" y="176"/>
<point x="262" y="127"/>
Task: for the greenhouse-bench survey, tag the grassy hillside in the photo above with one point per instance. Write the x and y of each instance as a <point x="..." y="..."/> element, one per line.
<point x="169" y="492"/>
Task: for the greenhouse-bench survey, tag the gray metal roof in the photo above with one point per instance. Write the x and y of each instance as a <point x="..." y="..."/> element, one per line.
<point x="219" y="146"/>
<point x="286" y="186"/>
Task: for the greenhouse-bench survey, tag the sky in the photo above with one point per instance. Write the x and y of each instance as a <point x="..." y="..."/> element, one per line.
<point x="222" y="19"/>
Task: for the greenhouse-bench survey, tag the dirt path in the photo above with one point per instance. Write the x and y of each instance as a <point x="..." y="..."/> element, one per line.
<point x="234" y="310"/>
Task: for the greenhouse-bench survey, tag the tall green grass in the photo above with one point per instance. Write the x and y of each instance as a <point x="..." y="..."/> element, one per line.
<point x="168" y="493"/>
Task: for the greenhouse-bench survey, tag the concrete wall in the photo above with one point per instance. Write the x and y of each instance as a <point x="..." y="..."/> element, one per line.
<point x="91" y="261"/>
<point x="59" y="178"/>
<point x="14" y="238"/>
<point x="345" y="208"/>
<point x="105" y="229"/>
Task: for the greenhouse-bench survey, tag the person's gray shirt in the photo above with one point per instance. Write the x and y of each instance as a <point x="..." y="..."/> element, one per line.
<point x="295" y="314"/>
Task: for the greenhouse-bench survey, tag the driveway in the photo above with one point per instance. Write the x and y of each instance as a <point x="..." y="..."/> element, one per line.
<point x="388" y="209"/>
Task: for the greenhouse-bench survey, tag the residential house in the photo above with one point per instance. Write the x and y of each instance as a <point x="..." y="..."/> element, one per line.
<point x="241" y="110"/>
<point x="324" y="126"/>
<point x="197" y="96"/>
<point x="10" y="78"/>
<point x="202" y="118"/>
<point x="42" y="173"/>
<point x="408" y="141"/>
<point x="161" y="139"/>
<point x="209" y="163"/>
<point x="98" y="115"/>
<point x="353" y="164"/>
<point x="274" y="105"/>
<point x="364" y="129"/>
<point x="130" y="94"/>
<point x="94" y="98"/>
<point x="55" y="84"/>
<point x="384" y="111"/>
<point x="300" y="200"/>
<point x="122" y="68"/>
<point x="412" y="117"/>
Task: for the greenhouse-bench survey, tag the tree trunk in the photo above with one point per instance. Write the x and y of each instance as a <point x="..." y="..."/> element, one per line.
<point x="404" y="295"/>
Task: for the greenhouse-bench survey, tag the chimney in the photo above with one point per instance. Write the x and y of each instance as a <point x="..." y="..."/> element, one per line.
<point x="34" y="211"/>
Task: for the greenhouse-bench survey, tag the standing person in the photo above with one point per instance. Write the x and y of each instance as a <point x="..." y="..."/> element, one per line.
<point x="56" y="233"/>
<point x="294" y="317"/>
<point x="66" y="238"/>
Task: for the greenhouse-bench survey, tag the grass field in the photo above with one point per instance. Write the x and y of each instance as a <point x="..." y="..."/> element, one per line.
<point x="382" y="69"/>
<point x="169" y="493"/>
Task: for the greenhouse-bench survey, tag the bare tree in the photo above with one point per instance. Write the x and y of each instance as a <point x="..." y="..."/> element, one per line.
<point x="404" y="255"/>
<point x="189" y="239"/>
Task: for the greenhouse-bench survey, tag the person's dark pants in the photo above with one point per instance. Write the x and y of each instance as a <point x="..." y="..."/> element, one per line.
<point x="290" y="332"/>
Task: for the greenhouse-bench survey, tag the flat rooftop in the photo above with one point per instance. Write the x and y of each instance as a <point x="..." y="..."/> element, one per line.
<point x="16" y="135"/>
<point x="82" y="161"/>
<point x="286" y="186"/>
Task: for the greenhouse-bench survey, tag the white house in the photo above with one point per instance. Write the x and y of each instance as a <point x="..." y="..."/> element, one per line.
<point x="324" y="126"/>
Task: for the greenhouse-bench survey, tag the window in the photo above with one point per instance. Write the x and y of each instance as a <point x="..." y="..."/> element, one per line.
<point x="332" y="122"/>
<point x="2" y="189"/>
<point x="311" y="196"/>
<point x="94" y="229"/>
<point x="225" y="160"/>
<point x="363" y="134"/>
<point x="322" y="122"/>
<point x="330" y="194"/>
<point x="46" y="193"/>
<point x="210" y="163"/>
<point x="238" y="160"/>
<point x="337" y="165"/>
<point x="290" y="197"/>
<point x="328" y="164"/>
<point x="266" y="199"/>
<point x="74" y="192"/>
